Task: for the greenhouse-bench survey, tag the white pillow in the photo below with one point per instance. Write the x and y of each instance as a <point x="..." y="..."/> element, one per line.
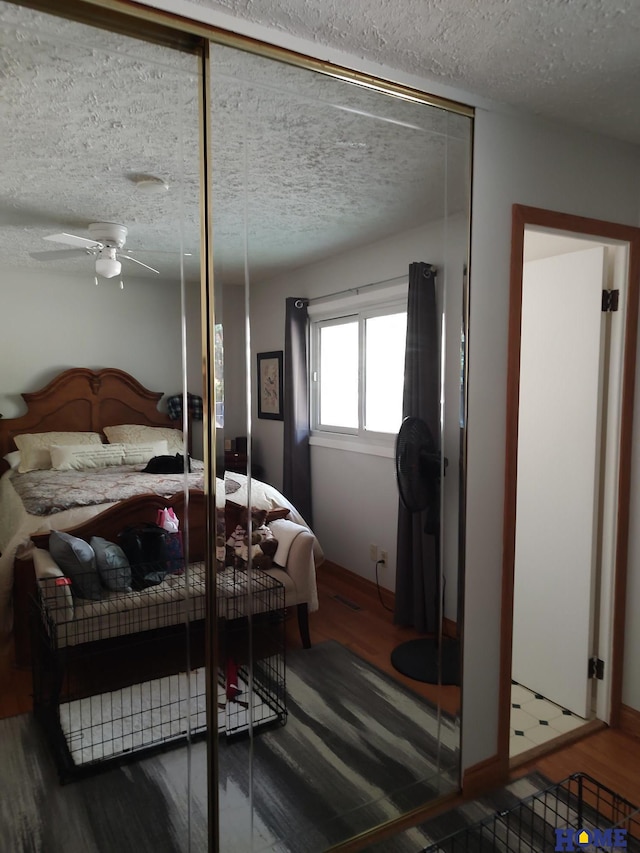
<point x="140" y="454"/>
<point x="12" y="459"/>
<point x="35" y="447"/>
<point x="140" y="434"/>
<point x="74" y="457"/>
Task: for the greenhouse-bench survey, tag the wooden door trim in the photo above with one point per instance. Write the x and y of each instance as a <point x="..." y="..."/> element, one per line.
<point x="521" y="217"/>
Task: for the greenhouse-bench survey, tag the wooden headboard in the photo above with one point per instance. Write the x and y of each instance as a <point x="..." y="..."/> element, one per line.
<point x="143" y="508"/>
<point x="83" y="400"/>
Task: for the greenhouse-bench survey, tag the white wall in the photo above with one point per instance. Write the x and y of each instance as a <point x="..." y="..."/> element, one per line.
<point x="193" y="355"/>
<point x="525" y="161"/>
<point x="50" y="322"/>
<point x="354" y="495"/>
<point x="235" y="362"/>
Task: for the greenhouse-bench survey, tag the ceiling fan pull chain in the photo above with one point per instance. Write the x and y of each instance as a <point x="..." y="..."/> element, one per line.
<point x="121" y="284"/>
<point x="96" y="280"/>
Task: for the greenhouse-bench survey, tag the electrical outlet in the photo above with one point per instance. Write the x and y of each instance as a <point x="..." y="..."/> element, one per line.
<point x="373" y="552"/>
<point x="383" y="558"/>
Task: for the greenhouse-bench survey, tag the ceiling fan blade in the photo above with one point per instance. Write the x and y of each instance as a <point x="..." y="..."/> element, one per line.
<point x="146" y="266"/>
<point x="73" y="240"/>
<point x="59" y="254"/>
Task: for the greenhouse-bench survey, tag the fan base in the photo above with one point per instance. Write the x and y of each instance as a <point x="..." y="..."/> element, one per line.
<point x="108" y="233"/>
<point x="427" y="661"/>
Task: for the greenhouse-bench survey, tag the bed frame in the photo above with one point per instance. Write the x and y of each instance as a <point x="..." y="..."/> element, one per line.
<point x="80" y="399"/>
<point x="83" y="400"/>
<point x="108" y="524"/>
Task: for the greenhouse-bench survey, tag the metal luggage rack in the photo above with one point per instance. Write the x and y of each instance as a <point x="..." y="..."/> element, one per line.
<point x="577" y="814"/>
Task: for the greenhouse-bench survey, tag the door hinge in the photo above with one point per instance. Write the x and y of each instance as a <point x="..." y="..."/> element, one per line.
<point x="610" y="299"/>
<point x="596" y="668"/>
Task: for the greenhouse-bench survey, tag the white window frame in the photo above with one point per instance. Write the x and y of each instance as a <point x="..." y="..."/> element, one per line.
<point x="359" y="306"/>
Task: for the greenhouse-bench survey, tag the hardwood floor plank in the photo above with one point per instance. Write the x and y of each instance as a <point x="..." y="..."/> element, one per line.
<point x="609" y="756"/>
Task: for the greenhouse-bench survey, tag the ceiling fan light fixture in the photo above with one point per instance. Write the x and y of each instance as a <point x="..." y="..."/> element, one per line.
<point x="108" y="267"/>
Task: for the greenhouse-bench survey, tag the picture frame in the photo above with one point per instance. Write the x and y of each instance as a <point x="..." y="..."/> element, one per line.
<point x="270" y="385"/>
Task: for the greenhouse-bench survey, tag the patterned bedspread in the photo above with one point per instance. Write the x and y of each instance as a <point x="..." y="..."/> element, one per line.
<point x="41" y="501"/>
<point x="47" y="492"/>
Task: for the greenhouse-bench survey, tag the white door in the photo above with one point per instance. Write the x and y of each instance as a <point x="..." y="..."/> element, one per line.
<point x="558" y="475"/>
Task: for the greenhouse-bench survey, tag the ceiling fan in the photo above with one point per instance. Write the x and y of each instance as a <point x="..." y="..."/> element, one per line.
<point x="108" y="238"/>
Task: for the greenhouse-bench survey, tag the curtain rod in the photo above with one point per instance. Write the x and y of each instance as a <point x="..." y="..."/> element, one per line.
<point x="357" y="289"/>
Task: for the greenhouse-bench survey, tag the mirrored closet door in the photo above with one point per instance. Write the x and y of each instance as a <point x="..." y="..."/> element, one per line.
<point x="101" y="332"/>
<point x="327" y="198"/>
<point x="283" y="363"/>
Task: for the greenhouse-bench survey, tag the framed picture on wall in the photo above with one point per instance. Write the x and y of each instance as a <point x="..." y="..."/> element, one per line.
<point x="270" y="385"/>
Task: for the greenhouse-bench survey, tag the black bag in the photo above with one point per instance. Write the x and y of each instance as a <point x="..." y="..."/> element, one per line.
<point x="167" y="465"/>
<point x="145" y="546"/>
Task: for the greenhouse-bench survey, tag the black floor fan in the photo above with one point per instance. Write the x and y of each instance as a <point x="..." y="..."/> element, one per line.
<point x="433" y="660"/>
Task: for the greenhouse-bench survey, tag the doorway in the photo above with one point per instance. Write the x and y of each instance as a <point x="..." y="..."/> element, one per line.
<point x="571" y="370"/>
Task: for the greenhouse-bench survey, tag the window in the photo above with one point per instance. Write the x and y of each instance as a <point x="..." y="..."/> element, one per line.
<point x="357" y="370"/>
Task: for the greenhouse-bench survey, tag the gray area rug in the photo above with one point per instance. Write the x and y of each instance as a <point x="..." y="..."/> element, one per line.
<point x="357" y="750"/>
<point x="448" y="828"/>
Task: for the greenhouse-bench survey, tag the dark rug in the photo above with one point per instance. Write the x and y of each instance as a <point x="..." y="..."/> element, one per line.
<point x="449" y="828"/>
<point x="424" y="659"/>
<point x="357" y="750"/>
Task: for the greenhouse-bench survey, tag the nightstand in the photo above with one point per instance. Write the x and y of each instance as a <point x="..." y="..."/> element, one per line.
<point x="234" y="461"/>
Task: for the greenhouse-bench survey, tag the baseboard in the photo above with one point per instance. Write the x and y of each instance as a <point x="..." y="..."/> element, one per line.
<point x="364" y="585"/>
<point x="484" y="776"/>
<point x="449" y="627"/>
<point x="629" y="721"/>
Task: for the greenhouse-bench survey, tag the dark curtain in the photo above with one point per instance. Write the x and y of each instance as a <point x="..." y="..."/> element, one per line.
<point x="417" y="570"/>
<point x="297" y="459"/>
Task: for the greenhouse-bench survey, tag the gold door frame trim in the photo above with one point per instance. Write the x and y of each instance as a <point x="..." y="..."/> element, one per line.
<point x="207" y="292"/>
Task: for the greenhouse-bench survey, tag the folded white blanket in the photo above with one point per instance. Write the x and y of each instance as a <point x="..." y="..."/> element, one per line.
<point x="285" y="532"/>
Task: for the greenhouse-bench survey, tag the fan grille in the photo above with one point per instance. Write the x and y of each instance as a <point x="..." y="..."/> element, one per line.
<point x="417" y="466"/>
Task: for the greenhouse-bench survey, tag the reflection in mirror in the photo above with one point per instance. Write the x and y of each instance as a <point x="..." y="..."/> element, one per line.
<point x="325" y="194"/>
<point x="100" y="186"/>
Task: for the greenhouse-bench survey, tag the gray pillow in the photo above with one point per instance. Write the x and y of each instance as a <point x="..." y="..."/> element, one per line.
<point x="77" y="560"/>
<point x="112" y="564"/>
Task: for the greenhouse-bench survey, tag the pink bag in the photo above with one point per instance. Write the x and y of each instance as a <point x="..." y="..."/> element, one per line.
<point x="167" y="519"/>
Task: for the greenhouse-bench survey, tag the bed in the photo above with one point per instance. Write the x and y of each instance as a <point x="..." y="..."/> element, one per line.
<point x="34" y="502"/>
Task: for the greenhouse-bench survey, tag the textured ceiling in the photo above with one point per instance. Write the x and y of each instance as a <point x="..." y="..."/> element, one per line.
<point x="573" y="60"/>
<point x="304" y="166"/>
<point x="88" y="111"/>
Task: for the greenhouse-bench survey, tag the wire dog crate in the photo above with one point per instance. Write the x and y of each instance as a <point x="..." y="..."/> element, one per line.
<point x="577" y="814"/>
<point x="252" y="652"/>
<point x="110" y="676"/>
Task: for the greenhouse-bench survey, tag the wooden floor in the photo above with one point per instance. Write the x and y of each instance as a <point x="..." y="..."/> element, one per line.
<point x="609" y="756"/>
<point x="353" y="614"/>
<point x="368" y="631"/>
